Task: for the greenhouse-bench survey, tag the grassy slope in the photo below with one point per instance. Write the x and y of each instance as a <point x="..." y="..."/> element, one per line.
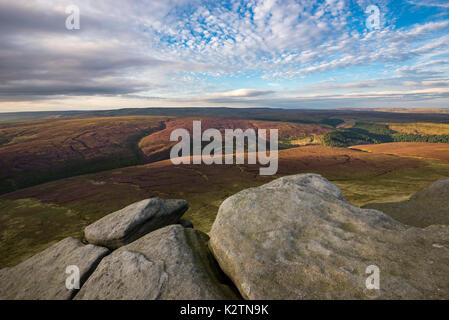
<point x="410" y="210"/>
<point x="33" y="152"/>
<point x="420" y="128"/>
<point x="73" y="203"/>
<point x="34" y="218"/>
<point x="425" y="208"/>
<point x="157" y="146"/>
<point x="423" y="150"/>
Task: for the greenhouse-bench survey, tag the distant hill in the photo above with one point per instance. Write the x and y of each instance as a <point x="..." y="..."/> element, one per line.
<point x="402" y="110"/>
<point x="39" y="115"/>
<point x="269" y="114"/>
<point x="33" y="152"/>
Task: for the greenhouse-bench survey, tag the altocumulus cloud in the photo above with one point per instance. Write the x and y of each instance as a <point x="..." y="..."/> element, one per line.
<point x="222" y="53"/>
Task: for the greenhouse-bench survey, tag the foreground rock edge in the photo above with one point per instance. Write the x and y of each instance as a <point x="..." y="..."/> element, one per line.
<point x="134" y="221"/>
<point x="344" y="240"/>
<point x="171" y="263"/>
<point x="43" y="276"/>
<point x="298" y="238"/>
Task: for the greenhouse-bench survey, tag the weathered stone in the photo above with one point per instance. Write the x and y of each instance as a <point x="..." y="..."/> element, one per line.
<point x="298" y="238"/>
<point x="185" y="223"/>
<point x="425" y="208"/>
<point x="169" y="263"/>
<point x="43" y="276"/>
<point x="132" y="222"/>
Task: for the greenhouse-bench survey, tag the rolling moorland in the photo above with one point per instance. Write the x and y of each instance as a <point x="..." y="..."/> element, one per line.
<point x="33" y="152"/>
<point x="61" y="171"/>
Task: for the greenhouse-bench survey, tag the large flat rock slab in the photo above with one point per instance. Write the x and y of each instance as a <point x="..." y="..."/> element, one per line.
<point x="43" y="276"/>
<point x="298" y="238"/>
<point x="172" y="263"/>
<point x="134" y="221"/>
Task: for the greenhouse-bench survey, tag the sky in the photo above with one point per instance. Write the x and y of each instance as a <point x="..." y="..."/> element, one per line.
<point x="267" y="53"/>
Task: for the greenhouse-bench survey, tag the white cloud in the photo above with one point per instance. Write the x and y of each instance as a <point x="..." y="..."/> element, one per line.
<point x="172" y="49"/>
<point x="430" y="3"/>
<point x="242" y="93"/>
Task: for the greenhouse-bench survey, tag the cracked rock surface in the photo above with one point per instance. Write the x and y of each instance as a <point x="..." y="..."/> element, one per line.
<point x="134" y="221"/>
<point x="43" y="276"/>
<point x="298" y="238"/>
<point x="170" y="263"/>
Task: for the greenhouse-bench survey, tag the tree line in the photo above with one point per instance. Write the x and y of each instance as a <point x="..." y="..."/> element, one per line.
<point x="372" y="133"/>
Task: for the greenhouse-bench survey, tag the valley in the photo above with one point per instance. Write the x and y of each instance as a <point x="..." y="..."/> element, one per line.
<point x="132" y="152"/>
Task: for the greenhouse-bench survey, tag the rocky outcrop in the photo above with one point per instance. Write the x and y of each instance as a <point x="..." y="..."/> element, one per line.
<point x="134" y="221"/>
<point x="170" y="263"/>
<point x="298" y="238"/>
<point x="163" y="262"/>
<point x="43" y="276"/>
<point x="425" y="208"/>
<point x="293" y="238"/>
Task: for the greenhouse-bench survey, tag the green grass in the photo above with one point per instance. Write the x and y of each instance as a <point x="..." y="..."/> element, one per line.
<point x="28" y="226"/>
<point x="394" y="186"/>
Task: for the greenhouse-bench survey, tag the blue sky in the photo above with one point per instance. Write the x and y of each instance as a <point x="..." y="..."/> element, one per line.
<point x="288" y="54"/>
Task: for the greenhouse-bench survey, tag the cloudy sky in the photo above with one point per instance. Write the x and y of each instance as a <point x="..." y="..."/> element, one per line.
<point x="267" y="53"/>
